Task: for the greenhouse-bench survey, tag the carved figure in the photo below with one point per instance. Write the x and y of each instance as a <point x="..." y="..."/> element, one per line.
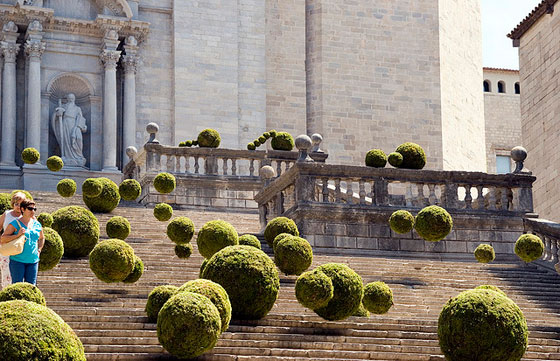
<point x="68" y="124"/>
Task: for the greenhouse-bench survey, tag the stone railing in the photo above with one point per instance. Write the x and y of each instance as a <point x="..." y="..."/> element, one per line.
<point x="549" y="232"/>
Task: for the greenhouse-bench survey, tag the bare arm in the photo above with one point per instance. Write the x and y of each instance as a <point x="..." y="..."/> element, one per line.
<point x="2" y="217"/>
<point x="41" y="241"/>
<point x="11" y="234"/>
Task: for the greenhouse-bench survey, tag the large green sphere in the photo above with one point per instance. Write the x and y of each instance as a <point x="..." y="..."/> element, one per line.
<point x="130" y="189"/>
<point x="361" y="311"/>
<point x="66" y="187"/>
<point x="112" y="260"/>
<point x="214" y="236"/>
<point x="209" y="138"/>
<point x="314" y="289"/>
<point x="378" y="298"/>
<point x="92" y="187"/>
<point x="414" y="156"/>
<point x="118" y="227"/>
<point x="401" y="221"/>
<point x="293" y="255"/>
<point x="490" y="287"/>
<point x="106" y="201"/>
<point x="163" y="212"/>
<point x="395" y="159"/>
<point x="55" y="163"/>
<point x="184" y="251"/>
<point x="282" y="141"/>
<point x="249" y="240"/>
<point x="137" y="271"/>
<point x="157" y="298"/>
<point x="180" y="230"/>
<point x="249" y="277"/>
<point x="45" y="219"/>
<point x="280" y="237"/>
<point x="28" y="195"/>
<point x="78" y="229"/>
<point x="433" y="223"/>
<point x="484" y="253"/>
<point x="483" y="325"/>
<point x="279" y="225"/>
<point x="529" y="247"/>
<point x="165" y="183"/>
<point x="22" y="291"/>
<point x="30" y="155"/>
<point x="29" y="331"/>
<point x="376" y="158"/>
<point x="52" y="251"/>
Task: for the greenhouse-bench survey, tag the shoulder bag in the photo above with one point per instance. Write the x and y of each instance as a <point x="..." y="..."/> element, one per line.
<point x="15" y="246"/>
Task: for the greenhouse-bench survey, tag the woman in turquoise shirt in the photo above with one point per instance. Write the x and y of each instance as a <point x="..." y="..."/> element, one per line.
<point x="24" y="266"/>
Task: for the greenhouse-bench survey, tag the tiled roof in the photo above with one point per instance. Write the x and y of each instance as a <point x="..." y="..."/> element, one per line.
<point x="501" y="69"/>
<point x="545" y="7"/>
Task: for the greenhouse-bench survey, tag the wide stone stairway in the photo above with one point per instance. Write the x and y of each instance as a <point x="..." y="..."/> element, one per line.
<point x="110" y="318"/>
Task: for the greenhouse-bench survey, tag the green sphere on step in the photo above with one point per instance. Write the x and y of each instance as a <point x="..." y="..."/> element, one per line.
<point x="165" y="183"/>
<point x="112" y="260"/>
<point x="484" y="253"/>
<point x="214" y="236"/>
<point x="107" y="200"/>
<point x="52" y="251"/>
<point x="401" y="221"/>
<point x="180" y="230"/>
<point x="55" y="163"/>
<point x="433" y="223"/>
<point x="23" y="291"/>
<point x="249" y="240"/>
<point x="66" y="187"/>
<point x="184" y="251"/>
<point x="293" y="255"/>
<point x="314" y="289"/>
<point x="395" y="159"/>
<point x="157" y="298"/>
<point x="92" y="187"/>
<point x="376" y="158"/>
<point x="118" y="227"/>
<point x="378" y="298"/>
<point x="413" y="155"/>
<point x="130" y="189"/>
<point x="137" y="271"/>
<point x="209" y="138"/>
<point x="30" y="155"/>
<point x="529" y="247"/>
<point x="163" y="212"/>
<point x="78" y="228"/>
<point x="279" y="225"/>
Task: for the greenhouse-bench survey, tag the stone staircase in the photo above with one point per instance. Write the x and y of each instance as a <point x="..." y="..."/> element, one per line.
<point x="110" y="318"/>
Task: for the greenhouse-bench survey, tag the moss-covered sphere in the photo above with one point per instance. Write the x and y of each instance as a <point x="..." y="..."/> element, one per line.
<point x="293" y="255"/>
<point x="29" y="331"/>
<point x="413" y="156"/>
<point x="395" y="159"/>
<point x="378" y="298"/>
<point x="22" y="291"/>
<point x="376" y="158"/>
<point x="361" y="311"/>
<point x="209" y="138"/>
<point x="279" y="225"/>
<point x="165" y="183"/>
<point x="180" y="230"/>
<point x="183" y="251"/>
<point x="433" y="223"/>
<point x="347" y="293"/>
<point x="251" y="146"/>
<point x="78" y="229"/>
<point x="130" y="189"/>
<point x="266" y="135"/>
<point x="249" y="240"/>
<point x="273" y="133"/>
<point x="278" y="238"/>
<point x="490" y="287"/>
<point x="314" y="289"/>
<point x="30" y="155"/>
<point x="529" y="247"/>
<point x="5" y="204"/>
<point x="249" y="277"/>
<point x="214" y="236"/>
<point x="188" y="325"/>
<point x="45" y="219"/>
<point x="401" y="221"/>
<point x="202" y="267"/>
<point x="157" y="298"/>
<point x="163" y="212"/>
<point x="55" y="163"/>
<point x="262" y="139"/>
<point x="66" y="187"/>
<point x="92" y="187"/>
<point x="216" y="293"/>
<point x="282" y="141"/>
<point x="118" y="227"/>
<point x="112" y="260"/>
<point x="107" y="200"/>
<point x="484" y="253"/>
<point x="52" y="251"/>
<point x="137" y="271"/>
<point x="483" y="323"/>
<point x="256" y="143"/>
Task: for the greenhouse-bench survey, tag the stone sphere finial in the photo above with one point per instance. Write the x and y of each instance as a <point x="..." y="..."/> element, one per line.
<point x="131" y="41"/>
<point x="303" y="144"/>
<point x="10" y="27"/>
<point x="131" y="152"/>
<point x="267" y="173"/>
<point x="317" y="139"/>
<point x="152" y="129"/>
<point x="518" y="154"/>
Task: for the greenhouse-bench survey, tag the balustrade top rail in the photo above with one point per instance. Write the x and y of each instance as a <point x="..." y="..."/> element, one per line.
<point x="549" y="232"/>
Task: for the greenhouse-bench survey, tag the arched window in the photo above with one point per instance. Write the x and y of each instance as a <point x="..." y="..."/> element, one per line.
<point x="487" y="86"/>
<point x="517" y="88"/>
<point x="501" y="87"/>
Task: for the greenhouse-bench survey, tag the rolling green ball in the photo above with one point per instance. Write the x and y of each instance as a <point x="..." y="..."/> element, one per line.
<point x="433" y="223"/>
<point x="66" y="187"/>
<point x="249" y="240"/>
<point x="23" y="291"/>
<point x="130" y="189"/>
<point x="45" y="219"/>
<point x="92" y="187"/>
<point x="5" y="202"/>
<point x="112" y="260"/>
<point x="282" y="141"/>
<point x="256" y="142"/>
<point x="314" y="289"/>
<point x="376" y="158"/>
<point x="118" y="227"/>
<point x="490" y="287"/>
<point x="180" y="230"/>
<point x="107" y="200"/>
<point x="157" y="298"/>
<point x="401" y="221"/>
<point x="378" y="298"/>
<point x="30" y="155"/>
<point x="484" y="253"/>
<point x="251" y="146"/>
<point x="164" y="183"/>
<point x="78" y="228"/>
<point x="293" y="255"/>
<point x="262" y="139"/>
<point x="361" y="312"/>
<point x="137" y="271"/>
<point x="163" y="212"/>
<point x="279" y="225"/>
<point x="395" y="159"/>
<point x="214" y="236"/>
<point x="529" y="247"/>
<point x="53" y="250"/>
<point x="414" y="156"/>
<point x="183" y="251"/>
<point x="209" y="138"/>
<point x="55" y="163"/>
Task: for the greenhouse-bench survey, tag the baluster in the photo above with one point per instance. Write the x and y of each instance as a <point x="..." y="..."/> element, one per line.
<point x="349" y="192"/>
<point x="325" y="190"/>
<point x="554" y="250"/>
<point x="196" y="165"/>
<point x="480" y="197"/>
<point x="547" y="248"/>
<point x="337" y="190"/>
<point x="225" y="166"/>
<point x="362" y="192"/>
<point x="279" y="168"/>
<point x="187" y="165"/>
<point x="409" y="198"/>
<point x="170" y="164"/>
<point x="433" y="197"/>
<point x="234" y="166"/>
<point x="251" y="167"/>
<point x="420" y="199"/>
<point x="372" y="194"/>
<point x="505" y="203"/>
<point x="178" y="163"/>
<point x="492" y="199"/>
<point x="468" y="197"/>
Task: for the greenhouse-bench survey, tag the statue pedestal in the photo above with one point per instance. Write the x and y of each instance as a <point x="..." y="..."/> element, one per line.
<point x="42" y="179"/>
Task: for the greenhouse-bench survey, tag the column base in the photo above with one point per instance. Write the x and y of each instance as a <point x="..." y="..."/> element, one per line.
<point x="34" y="166"/>
<point x="9" y="166"/>
<point x="110" y="170"/>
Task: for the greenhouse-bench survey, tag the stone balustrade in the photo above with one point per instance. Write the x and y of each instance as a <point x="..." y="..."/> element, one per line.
<point x="549" y="232"/>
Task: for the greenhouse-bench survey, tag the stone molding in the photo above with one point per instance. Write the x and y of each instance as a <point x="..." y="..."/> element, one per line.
<point x="109" y="58"/>
<point x="10" y="51"/>
<point x="35" y="49"/>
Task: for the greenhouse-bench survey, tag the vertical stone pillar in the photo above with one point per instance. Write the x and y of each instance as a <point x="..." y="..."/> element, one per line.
<point x="130" y="62"/>
<point x="110" y="59"/>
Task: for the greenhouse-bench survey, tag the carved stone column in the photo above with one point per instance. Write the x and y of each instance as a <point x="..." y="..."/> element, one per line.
<point x="130" y="62"/>
<point x="110" y="59"/>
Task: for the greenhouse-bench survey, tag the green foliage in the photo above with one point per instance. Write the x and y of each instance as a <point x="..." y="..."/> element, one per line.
<point x="23" y="291"/>
<point x="262" y="139"/>
<point x="484" y="323"/>
<point x="112" y="260"/>
<point x="214" y="236"/>
<point x="202" y="267"/>
<point x="53" y="249"/>
<point x="433" y="223"/>
<point x="249" y="277"/>
<point x="484" y="253"/>
<point x="186" y="143"/>
<point x="378" y="298"/>
<point x="413" y="156"/>
<point x="529" y="247"/>
<point x="180" y="230"/>
<point x="137" y="271"/>
<point x="27" y="194"/>
<point x="251" y="146"/>
<point x="5" y="204"/>
<point x="157" y="298"/>
<point x="376" y="158"/>
<point x="30" y="155"/>
<point x="45" y="219"/>
<point x="282" y="141"/>
<point x="278" y="238"/>
<point x="361" y="311"/>
<point x="195" y="143"/>
<point x="209" y="138"/>
<point x="490" y="287"/>
<point x="78" y="229"/>
<point x="55" y="163"/>
<point x="401" y="221"/>
<point x="130" y="189"/>
<point x="293" y="255"/>
<point x="66" y="187"/>
<point x="163" y="212"/>
<point x="118" y="227"/>
<point x="29" y="331"/>
<point x="249" y="240"/>
<point x="279" y="225"/>
<point x="92" y="187"/>
<point x="314" y="289"/>
<point x="106" y="201"/>
<point x="273" y="133"/>
<point x="395" y="159"/>
<point x="164" y="183"/>
<point x="256" y="143"/>
<point x="183" y="251"/>
<point x="266" y="135"/>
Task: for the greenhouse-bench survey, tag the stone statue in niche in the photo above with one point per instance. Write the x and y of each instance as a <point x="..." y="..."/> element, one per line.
<point x="68" y="124"/>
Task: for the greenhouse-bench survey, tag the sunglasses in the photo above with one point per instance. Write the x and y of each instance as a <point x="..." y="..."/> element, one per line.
<point x="31" y="209"/>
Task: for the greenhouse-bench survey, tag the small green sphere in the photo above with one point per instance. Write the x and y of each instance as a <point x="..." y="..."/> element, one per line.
<point x="378" y="298"/>
<point x="52" y="251"/>
<point x="66" y="187"/>
<point x="130" y="189"/>
<point x="164" y="183"/>
<point x="529" y="247"/>
<point x="249" y="240"/>
<point x="395" y="159"/>
<point x="251" y="146"/>
<point x="23" y="291"/>
<point x="433" y="223"/>
<point x="163" y="212"/>
<point x="180" y="230"/>
<point x="30" y="155"/>
<point x="45" y="219"/>
<point x="78" y="228"/>
<point x="484" y="253"/>
<point x="278" y="238"/>
<point x="209" y="138"/>
<point x="282" y="141"/>
<point x="195" y="143"/>
<point x="490" y="287"/>
<point x="107" y="200"/>
<point x="273" y="133"/>
<point x="118" y="227"/>
<point x="414" y="156"/>
<point x="293" y="255"/>
<point x="361" y="311"/>
<point x="262" y="139"/>
<point x="376" y="158"/>
<point x="314" y="289"/>
<point x="55" y="163"/>
<point x="92" y="187"/>
<point x="214" y="236"/>
<point x="183" y="251"/>
<point x="112" y="260"/>
<point x="401" y="221"/>
<point x="202" y="267"/>
<point x="266" y="135"/>
<point x="137" y="271"/>
<point x="157" y="298"/>
<point x="279" y="225"/>
<point x="256" y="143"/>
<point x="182" y="144"/>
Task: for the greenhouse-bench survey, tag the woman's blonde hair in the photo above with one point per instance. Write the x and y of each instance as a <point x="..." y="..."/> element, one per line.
<point x="18" y="197"/>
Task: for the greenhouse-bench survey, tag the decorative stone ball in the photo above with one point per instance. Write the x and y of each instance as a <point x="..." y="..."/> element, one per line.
<point x="282" y="141"/>
<point x="279" y="225"/>
<point x="518" y="154"/>
<point x="316" y="139"/>
<point x="152" y="128"/>
<point x="361" y="311"/>
<point x="78" y="228"/>
<point x="52" y="251"/>
<point x="216" y="293"/>
<point x="303" y="142"/>
<point x="214" y="236"/>
<point x="490" y="287"/>
<point x="251" y="146"/>
<point x="131" y="151"/>
<point x="66" y="187"/>
<point x="278" y="238"/>
<point x="378" y="297"/>
<point x="256" y="143"/>
<point x="188" y="325"/>
<point x="45" y="219"/>
<point x="433" y="223"/>
<point x="164" y="183"/>
<point x="314" y="289"/>
<point x="347" y="294"/>
<point x="266" y="135"/>
<point x="249" y="240"/>
<point x="30" y="155"/>
<point x="293" y="255"/>
<point x="267" y="172"/>
<point x="163" y="212"/>
<point x="22" y="291"/>
<point x="55" y="163"/>
<point x="183" y="251"/>
<point x="118" y="227"/>
<point x="157" y="298"/>
<point x="376" y="158"/>
<point x="262" y="139"/>
<point x="137" y="271"/>
<point x="92" y="187"/>
<point x="250" y="278"/>
<point x="28" y="195"/>
<point x="395" y="159"/>
<point x="180" y="230"/>
<point x="401" y="221"/>
<point x="209" y="138"/>
<point x="414" y="156"/>
<point x="529" y="247"/>
<point x="130" y="189"/>
<point x="107" y="200"/>
<point x="5" y="202"/>
<point x="483" y="323"/>
<point x="31" y="329"/>
<point x="112" y="260"/>
<point x="273" y="133"/>
<point x="484" y="253"/>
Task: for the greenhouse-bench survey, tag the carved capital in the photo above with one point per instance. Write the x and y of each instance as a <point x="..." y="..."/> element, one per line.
<point x="10" y="51"/>
<point x="109" y="58"/>
<point x="10" y="27"/>
<point x="35" y="49"/>
<point x="131" y="63"/>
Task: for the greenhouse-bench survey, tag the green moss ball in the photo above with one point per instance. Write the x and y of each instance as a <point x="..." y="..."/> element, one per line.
<point x="157" y="298"/>
<point x="188" y="325"/>
<point x="278" y="238"/>
<point x="279" y="225"/>
<point x="484" y="253"/>
<point x="395" y="159"/>
<point x="250" y="278"/>
<point x="118" y="227"/>
<point x="5" y="204"/>
<point x="30" y="155"/>
<point x="314" y="289"/>
<point x="413" y="156"/>
<point x="53" y="250"/>
<point x="401" y="221"/>
<point x="55" y="163"/>
<point x="482" y="323"/>
<point x="45" y="219"/>
<point x="66" y="187"/>
<point x="22" y="291"/>
<point x="249" y="240"/>
<point x="376" y="158"/>
<point x="180" y="230"/>
<point x="29" y="331"/>
<point x="347" y="293"/>
<point x="266" y="135"/>
<point x="262" y="139"/>
<point x="433" y="223"/>
<point x="378" y="298"/>
<point x="137" y="271"/>
<point x="214" y="236"/>
<point x="490" y="287"/>
<point x="195" y="143"/>
<point x="209" y="138"/>
<point x="202" y="267"/>
<point x="282" y="141"/>
<point x="112" y="260"/>
<point x="361" y="311"/>
<point x="529" y="247"/>
<point x="130" y="189"/>
<point x="163" y="212"/>
<point x="92" y="187"/>
<point x="78" y="229"/>
<point x="256" y="143"/>
<point x="28" y="195"/>
<point x="273" y="133"/>
<point x="183" y="251"/>
<point x="216" y="293"/>
<point x="164" y="183"/>
<point x="293" y="255"/>
<point x="107" y="200"/>
<point x="251" y="146"/>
